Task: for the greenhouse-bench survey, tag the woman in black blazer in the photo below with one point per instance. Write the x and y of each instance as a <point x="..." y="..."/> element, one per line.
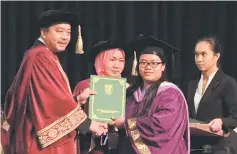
<point x="213" y="96"/>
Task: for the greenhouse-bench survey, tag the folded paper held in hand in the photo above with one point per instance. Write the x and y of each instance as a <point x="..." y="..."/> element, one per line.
<point x="199" y="128"/>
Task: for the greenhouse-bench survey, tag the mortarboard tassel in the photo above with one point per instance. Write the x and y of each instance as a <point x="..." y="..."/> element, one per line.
<point x="134" y="71"/>
<point x="79" y="44"/>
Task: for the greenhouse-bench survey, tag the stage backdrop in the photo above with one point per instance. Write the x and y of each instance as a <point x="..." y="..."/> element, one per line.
<point x="178" y="23"/>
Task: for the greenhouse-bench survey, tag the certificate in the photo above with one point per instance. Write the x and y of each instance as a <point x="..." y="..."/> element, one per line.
<point x="110" y="99"/>
<point x="200" y="128"/>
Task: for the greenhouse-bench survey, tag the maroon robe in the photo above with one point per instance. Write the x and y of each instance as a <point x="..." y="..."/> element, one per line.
<point x="84" y="145"/>
<point x="85" y="140"/>
<point x="82" y="85"/>
<point x="164" y="130"/>
<point x="40" y="107"/>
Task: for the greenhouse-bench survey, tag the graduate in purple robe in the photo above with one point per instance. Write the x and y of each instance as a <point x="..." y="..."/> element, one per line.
<point x="156" y="117"/>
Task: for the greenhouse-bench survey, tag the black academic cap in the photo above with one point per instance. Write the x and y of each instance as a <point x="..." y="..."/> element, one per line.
<point x="142" y="42"/>
<point x="105" y="45"/>
<point x="52" y="17"/>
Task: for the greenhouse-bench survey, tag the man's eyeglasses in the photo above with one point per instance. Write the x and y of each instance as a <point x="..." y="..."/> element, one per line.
<point x="153" y="64"/>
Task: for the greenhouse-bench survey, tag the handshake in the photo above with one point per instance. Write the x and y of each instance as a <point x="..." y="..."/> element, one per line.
<point x="102" y="128"/>
<point x="98" y="128"/>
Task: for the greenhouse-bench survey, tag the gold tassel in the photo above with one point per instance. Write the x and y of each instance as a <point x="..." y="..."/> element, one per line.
<point x="134" y="71"/>
<point x="79" y="45"/>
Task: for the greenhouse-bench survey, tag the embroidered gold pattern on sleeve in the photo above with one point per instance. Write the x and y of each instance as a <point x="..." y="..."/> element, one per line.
<point x="61" y="127"/>
<point x="143" y="149"/>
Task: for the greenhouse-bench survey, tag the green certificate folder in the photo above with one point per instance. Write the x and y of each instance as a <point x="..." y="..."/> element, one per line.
<point x="110" y="98"/>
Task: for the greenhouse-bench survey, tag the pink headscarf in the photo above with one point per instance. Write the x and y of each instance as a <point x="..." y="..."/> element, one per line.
<point x="103" y="58"/>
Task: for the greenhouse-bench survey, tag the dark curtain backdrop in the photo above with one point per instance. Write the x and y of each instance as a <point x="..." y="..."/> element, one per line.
<point x="178" y="23"/>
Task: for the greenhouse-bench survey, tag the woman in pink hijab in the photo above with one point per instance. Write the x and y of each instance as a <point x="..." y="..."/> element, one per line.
<point x="109" y="60"/>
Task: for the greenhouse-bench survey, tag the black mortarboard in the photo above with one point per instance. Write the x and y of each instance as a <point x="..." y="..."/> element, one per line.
<point x="142" y="42"/>
<point x="52" y="17"/>
<point x="104" y="45"/>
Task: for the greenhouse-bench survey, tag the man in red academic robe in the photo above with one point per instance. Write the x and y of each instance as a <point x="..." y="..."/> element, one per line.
<point x="40" y="108"/>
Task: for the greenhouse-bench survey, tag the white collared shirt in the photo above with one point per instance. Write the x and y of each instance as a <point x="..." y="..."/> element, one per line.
<point x="198" y="93"/>
<point x="41" y="40"/>
<point x="235" y="130"/>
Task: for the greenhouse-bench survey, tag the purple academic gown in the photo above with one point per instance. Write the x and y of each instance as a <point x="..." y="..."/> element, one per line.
<point x="164" y="130"/>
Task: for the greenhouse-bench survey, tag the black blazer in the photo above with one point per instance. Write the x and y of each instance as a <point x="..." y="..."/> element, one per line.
<point x="218" y="101"/>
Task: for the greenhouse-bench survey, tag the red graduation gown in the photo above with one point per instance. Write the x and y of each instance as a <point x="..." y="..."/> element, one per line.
<point x="85" y="140"/>
<point x="82" y="85"/>
<point x="40" y="108"/>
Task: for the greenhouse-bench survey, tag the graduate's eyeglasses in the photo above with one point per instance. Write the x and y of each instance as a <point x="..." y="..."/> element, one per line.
<point x="153" y="64"/>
